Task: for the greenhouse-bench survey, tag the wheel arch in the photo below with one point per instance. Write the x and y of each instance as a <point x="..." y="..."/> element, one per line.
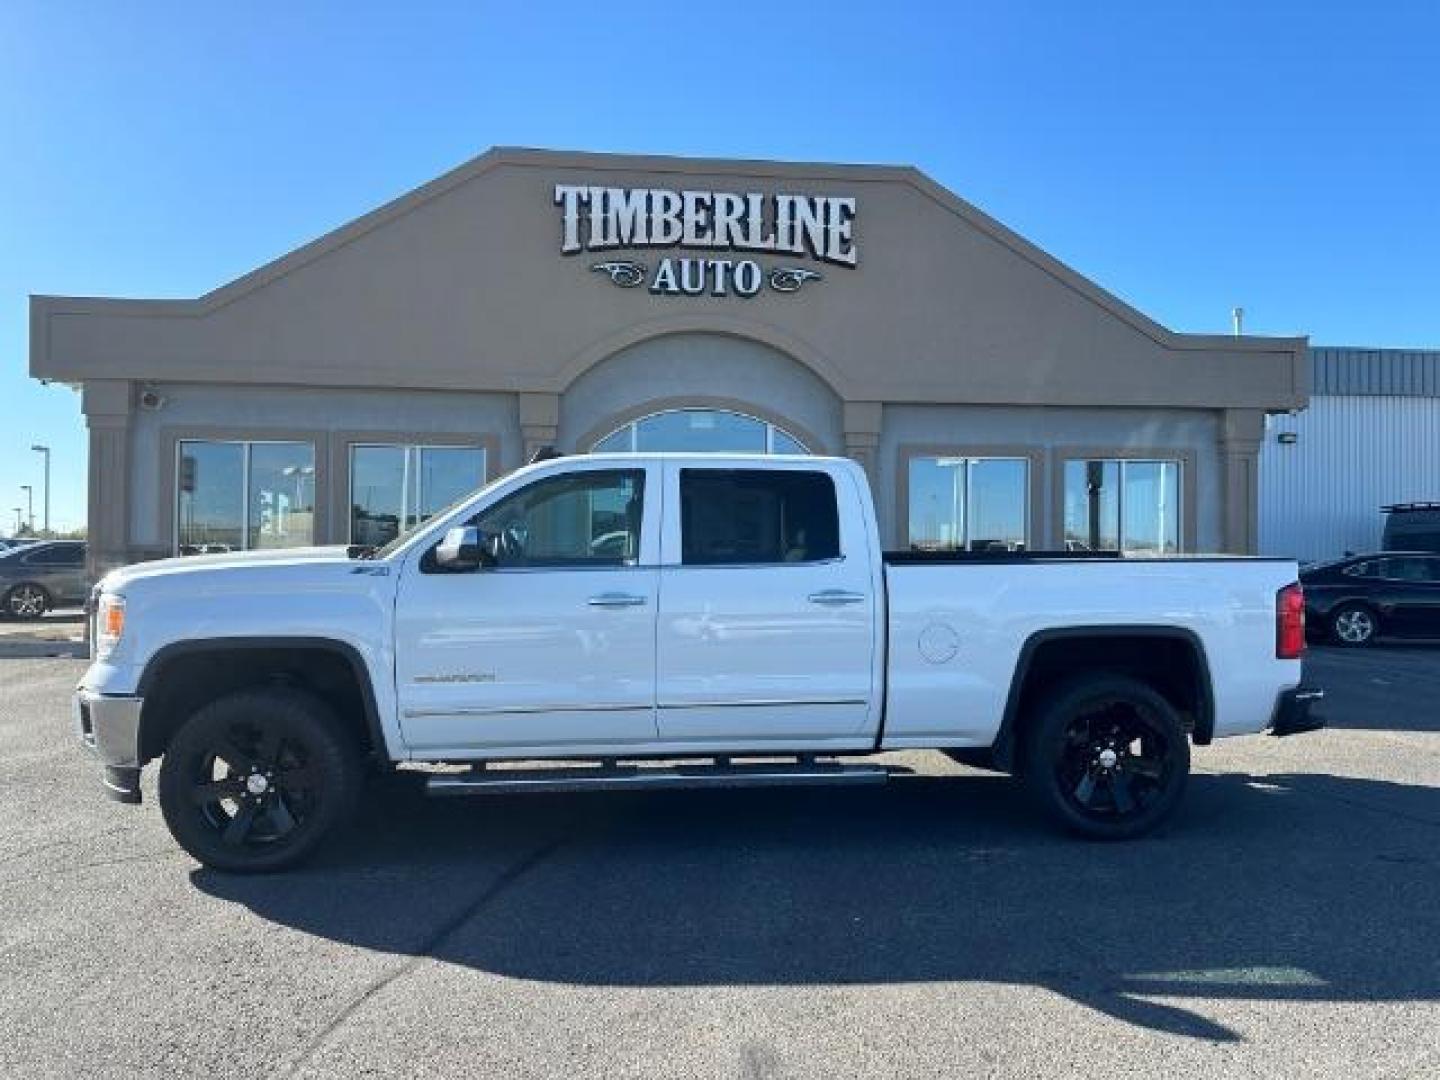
<point x="1040" y="657"/>
<point x="171" y="687"/>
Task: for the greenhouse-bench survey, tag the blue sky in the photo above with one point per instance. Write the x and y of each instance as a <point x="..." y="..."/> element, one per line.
<point x="1188" y="157"/>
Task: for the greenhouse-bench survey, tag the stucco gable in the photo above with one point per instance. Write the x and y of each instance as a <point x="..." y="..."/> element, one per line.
<point x="461" y="283"/>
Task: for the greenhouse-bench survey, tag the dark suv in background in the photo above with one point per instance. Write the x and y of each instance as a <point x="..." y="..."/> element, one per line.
<point x="38" y="577"/>
<point x="1354" y="600"/>
<point x="1412" y="527"/>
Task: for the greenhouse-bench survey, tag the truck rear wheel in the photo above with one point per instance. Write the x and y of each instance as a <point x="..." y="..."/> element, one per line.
<point x="1108" y="757"/>
<point x="254" y="781"/>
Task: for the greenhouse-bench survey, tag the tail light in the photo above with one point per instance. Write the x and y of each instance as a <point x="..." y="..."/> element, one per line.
<point x="1290" y="622"/>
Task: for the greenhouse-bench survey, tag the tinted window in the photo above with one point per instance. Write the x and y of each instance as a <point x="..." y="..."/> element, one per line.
<point x="1407" y="570"/>
<point x="1368" y="568"/>
<point x="57" y="555"/>
<point x="732" y="516"/>
<point x="1405" y="538"/>
<point x="579" y="519"/>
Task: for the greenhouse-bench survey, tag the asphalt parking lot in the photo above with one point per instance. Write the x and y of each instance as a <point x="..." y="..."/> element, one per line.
<point x="1285" y="924"/>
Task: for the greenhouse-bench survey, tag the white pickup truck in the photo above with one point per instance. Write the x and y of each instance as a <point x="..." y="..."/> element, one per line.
<point x="665" y="620"/>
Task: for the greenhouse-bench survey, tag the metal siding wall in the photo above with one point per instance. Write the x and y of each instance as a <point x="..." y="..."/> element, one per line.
<point x="1322" y="496"/>
<point x="1341" y="371"/>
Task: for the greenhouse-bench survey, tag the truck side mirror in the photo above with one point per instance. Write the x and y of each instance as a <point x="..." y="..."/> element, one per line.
<point x="465" y="548"/>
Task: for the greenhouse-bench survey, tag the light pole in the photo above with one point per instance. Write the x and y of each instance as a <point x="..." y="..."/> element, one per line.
<point x="46" y="451"/>
<point x="18" y="521"/>
<point x="29" y="504"/>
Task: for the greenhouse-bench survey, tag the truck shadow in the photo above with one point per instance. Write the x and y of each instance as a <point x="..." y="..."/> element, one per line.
<point x="1388" y="687"/>
<point x="1296" y="888"/>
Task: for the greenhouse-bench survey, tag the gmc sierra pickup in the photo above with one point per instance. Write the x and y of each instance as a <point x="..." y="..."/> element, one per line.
<point x="635" y="620"/>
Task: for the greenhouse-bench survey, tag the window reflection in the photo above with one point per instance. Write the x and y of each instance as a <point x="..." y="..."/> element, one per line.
<point x="589" y="518"/>
<point x="1122" y="505"/>
<point x="282" y="495"/>
<point x="377" y="486"/>
<point x="701" y="431"/>
<point x="211" y="497"/>
<point x="395" y="487"/>
<point x="233" y="496"/>
<point x="969" y="504"/>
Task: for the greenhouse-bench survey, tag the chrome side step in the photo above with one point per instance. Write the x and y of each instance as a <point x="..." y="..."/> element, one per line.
<point x="508" y="781"/>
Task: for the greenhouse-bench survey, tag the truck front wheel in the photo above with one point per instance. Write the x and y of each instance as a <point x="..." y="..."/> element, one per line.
<point x="1108" y="757"/>
<point x="255" y="780"/>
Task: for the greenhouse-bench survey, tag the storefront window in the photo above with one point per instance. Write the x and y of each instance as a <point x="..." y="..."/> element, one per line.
<point x="396" y="487"/>
<point x="969" y="504"/>
<point x="1115" y="505"/>
<point x="236" y="496"/>
<point x="701" y="430"/>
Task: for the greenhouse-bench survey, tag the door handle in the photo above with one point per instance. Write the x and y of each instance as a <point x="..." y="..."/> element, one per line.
<point x="617" y="600"/>
<point x="836" y="597"/>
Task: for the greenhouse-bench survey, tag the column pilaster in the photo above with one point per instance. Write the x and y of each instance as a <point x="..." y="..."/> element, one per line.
<point x="1241" y="433"/>
<point x="107" y="407"/>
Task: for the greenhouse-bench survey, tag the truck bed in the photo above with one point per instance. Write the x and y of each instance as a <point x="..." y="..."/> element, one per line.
<point x="956" y="643"/>
<point x="990" y="558"/>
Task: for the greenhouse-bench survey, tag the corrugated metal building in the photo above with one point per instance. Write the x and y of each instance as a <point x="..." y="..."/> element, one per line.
<point x="1370" y="437"/>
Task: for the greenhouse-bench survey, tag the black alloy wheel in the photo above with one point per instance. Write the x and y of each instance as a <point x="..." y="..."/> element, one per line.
<point x="1109" y="757"/>
<point x="27" y="601"/>
<point x="255" y="780"/>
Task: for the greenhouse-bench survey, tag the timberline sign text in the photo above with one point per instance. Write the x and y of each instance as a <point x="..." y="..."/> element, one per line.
<point x="820" y="227"/>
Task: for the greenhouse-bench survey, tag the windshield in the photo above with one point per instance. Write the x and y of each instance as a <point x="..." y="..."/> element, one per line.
<point x="406" y="535"/>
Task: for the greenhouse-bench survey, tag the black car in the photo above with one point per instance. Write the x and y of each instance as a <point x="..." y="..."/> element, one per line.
<point x="1352" y="601"/>
<point x="38" y="577"/>
<point x="1412" y="527"/>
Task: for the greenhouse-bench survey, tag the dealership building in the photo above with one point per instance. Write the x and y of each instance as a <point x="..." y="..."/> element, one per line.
<point x="996" y="398"/>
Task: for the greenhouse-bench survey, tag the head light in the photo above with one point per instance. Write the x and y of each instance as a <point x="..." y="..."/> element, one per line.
<point x="109" y="624"/>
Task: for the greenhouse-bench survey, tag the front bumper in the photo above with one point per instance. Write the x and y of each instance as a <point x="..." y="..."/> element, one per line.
<point x="1292" y="712"/>
<point x="109" y="726"/>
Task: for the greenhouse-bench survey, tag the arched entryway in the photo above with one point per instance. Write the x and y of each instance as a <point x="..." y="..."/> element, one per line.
<point x="700" y="392"/>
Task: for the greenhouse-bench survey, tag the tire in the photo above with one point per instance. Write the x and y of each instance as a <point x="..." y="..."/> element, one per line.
<point x="27" y="601"/>
<point x="1353" y="626"/>
<point x="1108" y="757"/>
<point x="254" y="782"/>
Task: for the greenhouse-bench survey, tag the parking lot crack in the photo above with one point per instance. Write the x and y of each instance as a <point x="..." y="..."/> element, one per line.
<point x="427" y="949"/>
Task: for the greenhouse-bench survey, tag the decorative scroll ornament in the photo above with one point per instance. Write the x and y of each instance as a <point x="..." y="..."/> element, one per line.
<point x="625" y="274"/>
<point x="788" y="279"/>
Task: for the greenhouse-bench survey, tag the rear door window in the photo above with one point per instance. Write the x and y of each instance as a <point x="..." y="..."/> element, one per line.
<point x="750" y="516"/>
<point x="56" y="555"/>
<point x="1406" y="569"/>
